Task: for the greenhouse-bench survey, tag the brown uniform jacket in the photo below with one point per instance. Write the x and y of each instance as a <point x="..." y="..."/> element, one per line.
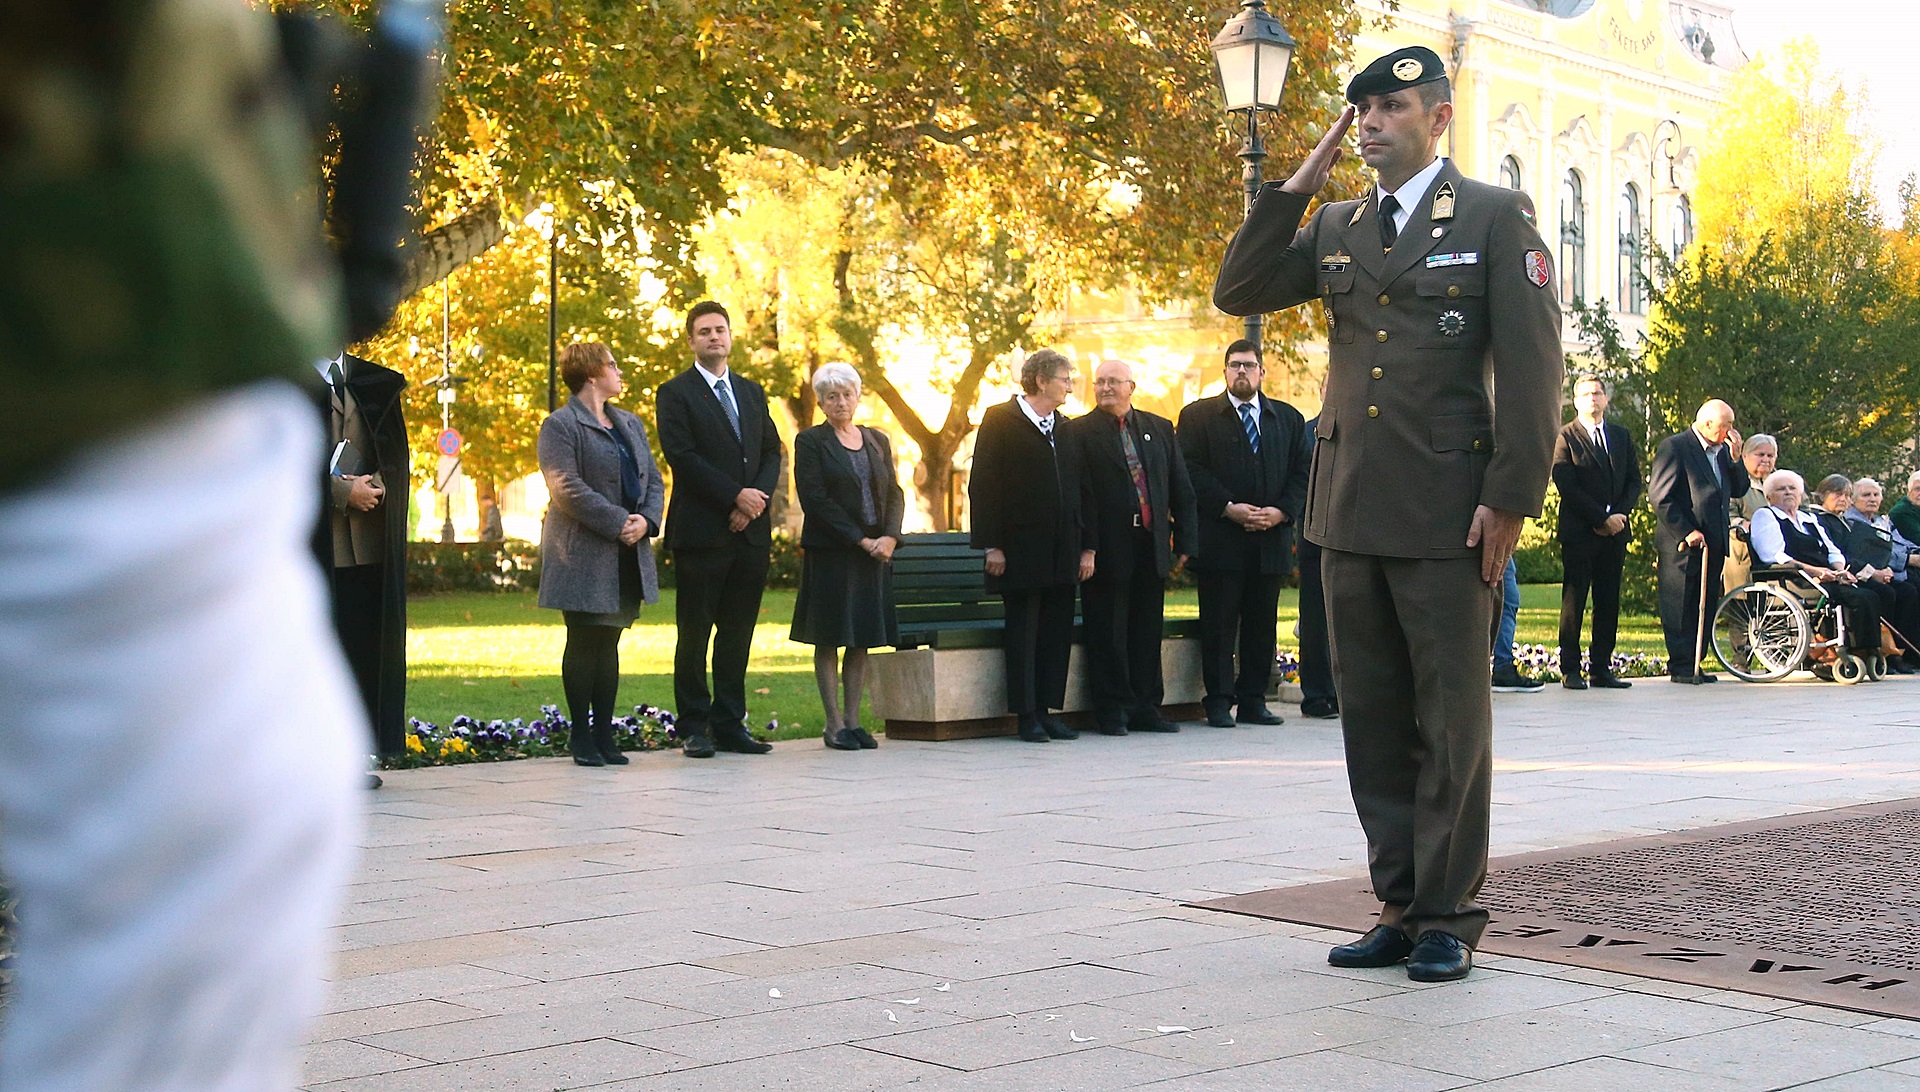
<point x="1419" y="338"/>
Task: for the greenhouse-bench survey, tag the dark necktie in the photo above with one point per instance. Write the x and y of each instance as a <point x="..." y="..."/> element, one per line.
<point x="1136" y="469"/>
<point x="721" y="392"/>
<point x="1389" y="231"/>
<point x="1252" y="429"/>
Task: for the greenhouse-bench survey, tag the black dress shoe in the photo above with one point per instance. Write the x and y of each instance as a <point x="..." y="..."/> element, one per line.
<point x="1149" y="720"/>
<point x="1259" y="714"/>
<point x="1220" y="716"/>
<point x="1383" y="946"/>
<point x="589" y="758"/>
<point x="1320" y="709"/>
<point x="1439" y="957"/>
<point x="740" y="742"/>
<point x="1032" y="731"/>
<point x="1611" y="682"/>
<point x="864" y="738"/>
<point x="1573" y="682"/>
<point x="1704" y="677"/>
<point x="1057" y="728"/>
<point x="373" y="781"/>
<point x="840" y="739"/>
<point x="698" y="745"/>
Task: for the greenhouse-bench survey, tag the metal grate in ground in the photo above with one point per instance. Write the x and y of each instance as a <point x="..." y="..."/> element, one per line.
<point x="1822" y="907"/>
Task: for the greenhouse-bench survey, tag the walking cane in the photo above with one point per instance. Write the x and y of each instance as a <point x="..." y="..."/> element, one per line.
<point x="1700" y="631"/>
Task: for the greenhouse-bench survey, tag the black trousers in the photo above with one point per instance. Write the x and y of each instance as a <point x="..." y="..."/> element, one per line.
<point x="718" y="598"/>
<point x="1238" y="608"/>
<point x="1316" y="656"/>
<point x="1900" y="608"/>
<point x="1862" y="609"/>
<point x="1591" y="562"/>
<point x="1039" y="638"/>
<point x="1122" y="612"/>
<point x="358" y="615"/>
<point x="1680" y="598"/>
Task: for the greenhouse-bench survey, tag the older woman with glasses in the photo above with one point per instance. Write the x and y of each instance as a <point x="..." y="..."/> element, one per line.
<point x="844" y="477"/>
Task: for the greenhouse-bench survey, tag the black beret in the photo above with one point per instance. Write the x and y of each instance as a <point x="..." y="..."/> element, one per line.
<point x="1409" y="67"/>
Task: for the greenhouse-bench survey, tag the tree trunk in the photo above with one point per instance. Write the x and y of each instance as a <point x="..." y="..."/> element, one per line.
<point x="451" y="245"/>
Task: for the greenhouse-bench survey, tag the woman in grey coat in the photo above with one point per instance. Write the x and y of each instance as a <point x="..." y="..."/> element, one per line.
<point x="596" y="565"/>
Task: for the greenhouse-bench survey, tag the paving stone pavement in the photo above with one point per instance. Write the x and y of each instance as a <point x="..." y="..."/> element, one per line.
<point x="990" y="914"/>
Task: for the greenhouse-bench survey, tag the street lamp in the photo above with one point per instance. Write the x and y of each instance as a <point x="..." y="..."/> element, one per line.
<point x="1253" y="51"/>
<point x="1670" y="144"/>
<point x="541" y="220"/>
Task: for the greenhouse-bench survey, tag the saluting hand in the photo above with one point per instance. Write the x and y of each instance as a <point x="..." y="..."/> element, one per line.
<point x="1319" y="164"/>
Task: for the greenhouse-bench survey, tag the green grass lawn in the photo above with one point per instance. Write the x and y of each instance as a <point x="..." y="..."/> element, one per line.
<point x="498" y="656"/>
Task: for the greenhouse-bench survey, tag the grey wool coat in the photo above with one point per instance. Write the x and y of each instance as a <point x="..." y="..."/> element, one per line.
<point x="580" y="540"/>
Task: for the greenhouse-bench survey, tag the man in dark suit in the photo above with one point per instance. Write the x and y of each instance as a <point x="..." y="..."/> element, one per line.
<point x="1696" y="473"/>
<point x="720" y="443"/>
<point x="1433" y="284"/>
<point x="1598" y="475"/>
<point x="1248" y="457"/>
<point x="1028" y="501"/>
<point x="361" y="542"/>
<point x="1143" y="528"/>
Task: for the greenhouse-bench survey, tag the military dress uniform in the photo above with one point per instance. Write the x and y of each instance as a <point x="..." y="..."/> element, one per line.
<point x="1407" y="444"/>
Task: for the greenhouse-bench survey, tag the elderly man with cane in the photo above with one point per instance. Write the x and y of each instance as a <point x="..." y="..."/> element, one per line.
<point x="1696" y="473"/>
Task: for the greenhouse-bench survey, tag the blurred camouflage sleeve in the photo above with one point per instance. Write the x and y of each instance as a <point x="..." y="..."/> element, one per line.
<point x="159" y="218"/>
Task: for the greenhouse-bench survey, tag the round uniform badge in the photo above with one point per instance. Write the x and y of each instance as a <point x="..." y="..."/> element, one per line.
<point x="1536" y="267"/>
<point x="1408" y="69"/>
<point x="1452" y="324"/>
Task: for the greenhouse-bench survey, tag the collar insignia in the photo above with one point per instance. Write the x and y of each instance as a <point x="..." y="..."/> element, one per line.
<point x="1443" y="202"/>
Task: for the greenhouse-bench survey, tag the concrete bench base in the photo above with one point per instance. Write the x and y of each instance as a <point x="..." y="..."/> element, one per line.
<point x="960" y="693"/>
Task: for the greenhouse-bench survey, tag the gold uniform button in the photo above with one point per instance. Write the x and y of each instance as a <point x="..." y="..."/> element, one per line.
<point x="1373" y="411"/>
<point x="1476" y="445"/>
<point x="1385" y="299"/>
<point x="1378" y="372"/>
<point x="1453" y="290"/>
<point x="1382" y="335"/>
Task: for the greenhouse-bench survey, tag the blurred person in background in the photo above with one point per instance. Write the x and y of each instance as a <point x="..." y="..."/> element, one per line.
<point x="1696" y="474"/>
<point x="1598" y="475"/>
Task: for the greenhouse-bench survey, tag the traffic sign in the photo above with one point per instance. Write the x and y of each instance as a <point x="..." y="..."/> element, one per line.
<point x="448" y="442"/>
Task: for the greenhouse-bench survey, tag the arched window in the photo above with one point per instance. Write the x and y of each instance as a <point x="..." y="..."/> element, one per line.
<point x="1632" y="295"/>
<point x="1510" y="173"/>
<point x="1680" y="228"/>
<point x="1573" y="240"/>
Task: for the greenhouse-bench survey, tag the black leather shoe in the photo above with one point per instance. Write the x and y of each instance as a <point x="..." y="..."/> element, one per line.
<point x="373" y="781"/>
<point x="1611" y="682"/>
<point x="1220" y="716"/>
<point x="1704" y="677"/>
<point x="840" y="739"/>
<point x="1057" y="728"/>
<point x="697" y="745"/>
<point x="1383" y="946"/>
<point x="1031" y="730"/>
<point x="1259" y="714"/>
<point x="864" y="738"/>
<point x="1149" y="720"/>
<point x="609" y="750"/>
<point x="589" y="758"/>
<point x="1572" y="682"/>
<point x="1320" y="709"/>
<point x="740" y="742"/>
<point x="1439" y="957"/>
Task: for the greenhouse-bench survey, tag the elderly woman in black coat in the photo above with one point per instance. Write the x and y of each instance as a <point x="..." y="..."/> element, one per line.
<point x="843" y="474"/>
<point x="596" y="565"/>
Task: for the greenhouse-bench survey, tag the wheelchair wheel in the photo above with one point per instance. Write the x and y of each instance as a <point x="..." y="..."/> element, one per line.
<point x="1849" y="669"/>
<point x="1876" y="667"/>
<point x="1761" y="633"/>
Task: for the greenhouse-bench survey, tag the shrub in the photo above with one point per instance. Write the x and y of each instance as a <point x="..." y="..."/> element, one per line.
<point x="512" y="565"/>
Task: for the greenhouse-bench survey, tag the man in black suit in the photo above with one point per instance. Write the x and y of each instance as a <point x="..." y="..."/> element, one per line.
<point x="1696" y="472"/>
<point x="1598" y="475"/>
<point x="1248" y="456"/>
<point x="1143" y="528"/>
<point x="721" y="445"/>
<point x="1028" y="502"/>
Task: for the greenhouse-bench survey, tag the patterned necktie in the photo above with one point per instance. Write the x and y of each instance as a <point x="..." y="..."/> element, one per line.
<point x="1389" y="231"/>
<point x="1135" y="468"/>
<point x="721" y="392"/>
<point x="1046" y="427"/>
<point x="1252" y="429"/>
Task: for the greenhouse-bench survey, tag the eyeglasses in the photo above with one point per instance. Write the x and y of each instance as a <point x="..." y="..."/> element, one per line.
<point x="1111" y="382"/>
<point x="1243" y="365"/>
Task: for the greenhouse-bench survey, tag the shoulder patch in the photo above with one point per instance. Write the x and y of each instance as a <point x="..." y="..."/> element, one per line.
<point x="1536" y="267"/>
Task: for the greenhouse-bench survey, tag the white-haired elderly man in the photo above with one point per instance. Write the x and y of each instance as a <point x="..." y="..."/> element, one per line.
<point x="1696" y="473"/>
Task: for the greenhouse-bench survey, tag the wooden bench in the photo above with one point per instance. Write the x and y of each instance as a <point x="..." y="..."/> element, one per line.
<point x="946" y="678"/>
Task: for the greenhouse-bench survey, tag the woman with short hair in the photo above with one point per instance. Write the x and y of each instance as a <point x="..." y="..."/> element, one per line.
<point x="844" y="478"/>
<point x="596" y="565"/>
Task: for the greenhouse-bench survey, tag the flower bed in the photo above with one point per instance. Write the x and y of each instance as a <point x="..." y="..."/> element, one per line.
<point x="1543" y="663"/>
<point x="465" y="739"/>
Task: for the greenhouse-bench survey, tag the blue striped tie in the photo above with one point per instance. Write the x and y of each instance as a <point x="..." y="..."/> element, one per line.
<point x="1246" y="422"/>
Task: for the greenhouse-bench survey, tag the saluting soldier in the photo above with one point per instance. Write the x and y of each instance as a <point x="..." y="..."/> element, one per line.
<point x="1431" y="282"/>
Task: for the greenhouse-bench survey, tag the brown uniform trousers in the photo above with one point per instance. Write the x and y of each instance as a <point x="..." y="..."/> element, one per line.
<point x="1465" y="293"/>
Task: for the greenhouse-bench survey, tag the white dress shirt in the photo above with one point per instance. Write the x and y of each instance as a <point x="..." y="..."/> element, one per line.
<point x="1770" y="542"/>
<point x="1410" y="193"/>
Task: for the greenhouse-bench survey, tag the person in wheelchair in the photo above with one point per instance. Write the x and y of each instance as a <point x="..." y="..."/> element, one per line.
<point x="1873" y="541"/>
<point x="1786" y="536"/>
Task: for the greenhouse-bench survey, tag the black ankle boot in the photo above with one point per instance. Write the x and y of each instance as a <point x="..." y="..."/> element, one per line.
<point x="604" y="744"/>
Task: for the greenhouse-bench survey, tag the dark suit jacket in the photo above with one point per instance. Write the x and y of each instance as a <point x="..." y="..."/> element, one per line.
<point x="1225" y="470"/>
<point x="1116" y="503"/>
<point x="1028" y="498"/>
<point x="710" y="464"/>
<point x="829" y="491"/>
<point x="1593" y="485"/>
<point x="1685" y="496"/>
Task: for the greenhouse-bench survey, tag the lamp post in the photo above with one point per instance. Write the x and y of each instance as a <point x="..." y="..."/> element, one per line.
<point x="1671" y="144"/>
<point x="1252" y="51"/>
<point x="541" y="220"/>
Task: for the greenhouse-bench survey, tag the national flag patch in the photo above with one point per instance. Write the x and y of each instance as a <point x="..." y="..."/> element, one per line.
<point x="1537" y="272"/>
